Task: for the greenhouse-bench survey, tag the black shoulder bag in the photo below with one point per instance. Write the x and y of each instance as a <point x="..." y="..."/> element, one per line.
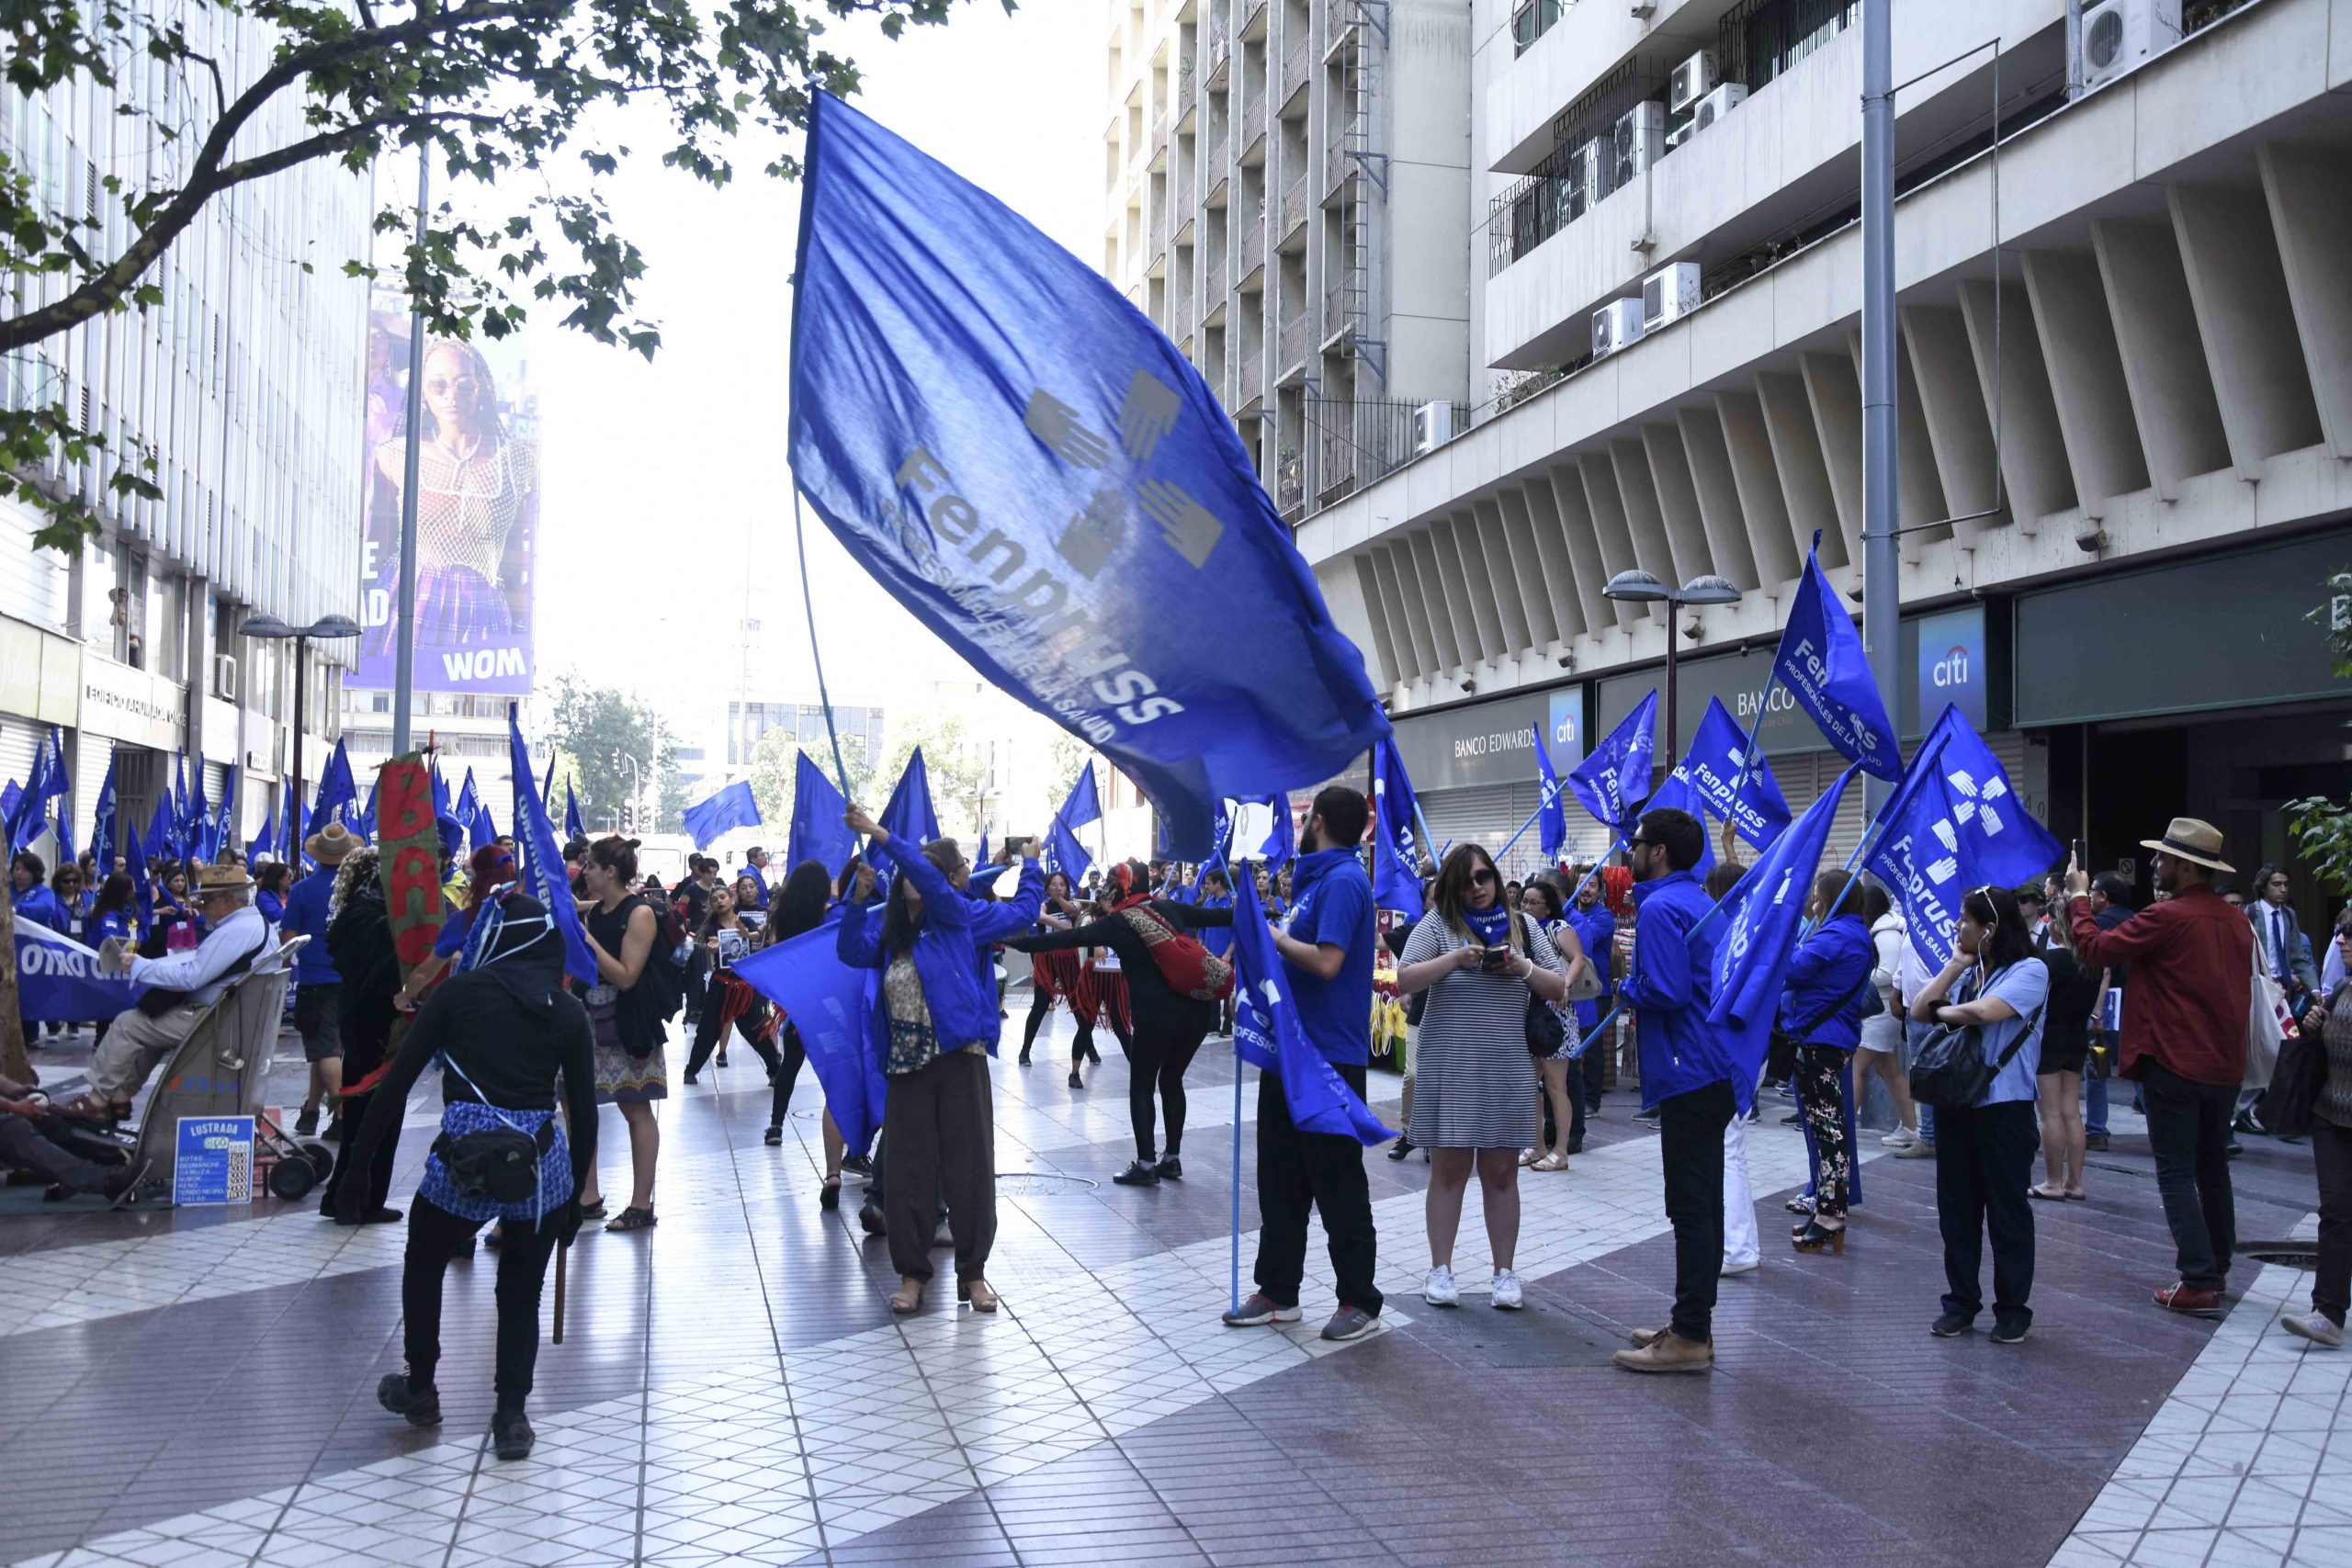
<point x="1951" y="1071"/>
<point x="501" y="1163"/>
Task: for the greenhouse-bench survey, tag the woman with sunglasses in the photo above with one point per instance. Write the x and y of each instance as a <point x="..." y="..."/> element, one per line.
<point x="1985" y="1151"/>
<point x="1480" y="963"/>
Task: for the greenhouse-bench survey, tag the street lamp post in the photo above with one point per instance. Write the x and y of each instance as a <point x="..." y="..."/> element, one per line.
<point x="1643" y="588"/>
<point x="270" y="627"/>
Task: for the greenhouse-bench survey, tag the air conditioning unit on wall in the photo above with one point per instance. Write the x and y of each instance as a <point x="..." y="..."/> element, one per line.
<point x="1719" y="103"/>
<point x="1615" y="325"/>
<point x="1587" y="177"/>
<point x="1684" y="130"/>
<point x="1432" y="427"/>
<point x="1693" y="80"/>
<point x="2120" y="36"/>
<point x="224" y="676"/>
<point x="1670" y="294"/>
<point x="1640" y="140"/>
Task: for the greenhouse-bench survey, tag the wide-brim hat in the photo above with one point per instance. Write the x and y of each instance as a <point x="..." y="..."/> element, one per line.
<point x="212" y="879"/>
<point x="331" y="843"/>
<point x="2190" y="840"/>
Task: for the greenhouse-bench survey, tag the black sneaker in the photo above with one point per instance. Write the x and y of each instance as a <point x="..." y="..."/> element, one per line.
<point x="1075" y="1081"/>
<point x="511" y="1436"/>
<point x="1138" y="1174"/>
<point x="773" y="1136"/>
<point x="1400" y="1149"/>
<point x="858" y="1164"/>
<point x="869" y="1218"/>
<point x="2010" y="1333"/>
<point x="306" y="1123"/>
<point x="1171" y="1169"/>
<point x="1951" y="1325"/>
<point x="336" y="1130"/>
<point x="2096" y="1141"/>
<point x="417" y="1406"/>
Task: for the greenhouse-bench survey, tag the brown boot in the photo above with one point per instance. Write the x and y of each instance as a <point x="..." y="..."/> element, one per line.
<point x="1644" y="1337"/>
<point x="1670" y="1353"/>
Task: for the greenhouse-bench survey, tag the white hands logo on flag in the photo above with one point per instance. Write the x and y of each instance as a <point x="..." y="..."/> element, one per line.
<point x="1055" y="423"/>
<point x="1193" y="528"/>
<point x="1943" y="869"/>
<point x="1146" y="416"/>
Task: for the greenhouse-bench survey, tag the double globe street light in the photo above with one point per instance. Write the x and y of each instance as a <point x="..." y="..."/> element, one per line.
<point x="1644" y="588"/>
<point x="270" y="629"/>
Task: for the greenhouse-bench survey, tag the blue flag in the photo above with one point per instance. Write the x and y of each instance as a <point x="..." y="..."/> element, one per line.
<point x="58" y="978"/>
<point x="542" y="869"/>
<point x="1220" y="848"/>
<point x="1552" y="817"/>
<point x="830" y="1004"/>
<point x="817" y="831"/>
<point x="1822" y="664"/>
<point x="1762" y="917"/>
<point x="65" y="827"/>
<point x="29" y="817"/>
<point x="731" y="807"/>
<point x="1396" y="849"/>
<point x="483" y="828"/>
<point x="910" y="815"/>
<point x="1614" y="776"/>
<point x="224" y="820"/>
<point x="1028" y="464"/>
<point x="982" y="858"/>
<point x="1281" y="834"/>
<point x="10" y="795"/>
<point x="1063" y="851"/>
<point x="2006" y="845"/>
<point x="1084" y="805"/>
<point x="102" y="834"/>
<point x="337" y="790"/>
<point x="158" y="842"/>
<point x="1757" y="810"/>
<point x="366" y="825"/>
<point x="1267" y="1032"/>
<point x="196" y="828"/>
<point x="572" y="826"/>
<point x="142" y="887"/>
<point x="1681" y="794"/>
<point x="1921" y="854"/>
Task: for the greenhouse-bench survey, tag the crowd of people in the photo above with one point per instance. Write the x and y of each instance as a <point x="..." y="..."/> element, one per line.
<point x="1523" y="997"/>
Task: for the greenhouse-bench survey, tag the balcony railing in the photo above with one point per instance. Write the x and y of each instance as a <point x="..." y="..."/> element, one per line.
<point x="1290" y="484"/>
<point x="1184" y="93"/>
<point x="1253" y="239"/>
<point x="1213" y="159"/>
<point x="1293" y="74"/>
<point x="1216" y="287"/>
<point x="1336" y="166"/>
<point x="1253" y="369"/>
<point x="1293" y="342"/>
<point x="1293" y="205"/>
<point x="1220" y="50"/>
<point x="1159" y="228"/>
<point x="1364" y="439"/>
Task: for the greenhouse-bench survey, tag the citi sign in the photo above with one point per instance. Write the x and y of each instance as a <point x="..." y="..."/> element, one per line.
<point x="1951" y="670"/>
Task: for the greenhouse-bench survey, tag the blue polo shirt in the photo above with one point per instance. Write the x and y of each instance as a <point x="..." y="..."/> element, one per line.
<point x="306" y="915"/>
<point x="1332" y="903"/>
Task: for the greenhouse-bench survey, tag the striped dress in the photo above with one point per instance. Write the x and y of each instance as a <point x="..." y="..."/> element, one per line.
<point x="1474" y="1083"/>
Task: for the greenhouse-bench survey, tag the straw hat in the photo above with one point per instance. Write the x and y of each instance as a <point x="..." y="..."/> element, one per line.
<point x="331" y="843"/>
<point x="2190" y="840"/>
<point x="212" y="879"/>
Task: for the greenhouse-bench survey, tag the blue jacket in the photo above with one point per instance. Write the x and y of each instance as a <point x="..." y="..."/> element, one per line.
<point x="950" y="949"/>
<point x="306" y="915"/>
<point x="40" y="903"/>
<point x="1670" y="985"/>
<point x="1831" y="964"/>
<point x="1597" y="929"/>
<point x="1217" y="939"/>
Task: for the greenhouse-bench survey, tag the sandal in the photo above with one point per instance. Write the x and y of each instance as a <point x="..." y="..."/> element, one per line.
<point x="594" y="1211"/>
<point x="1551" y="1162"/>
<point x="2046" y="1192"/>
<point x="978" y="1293"/>
<point x="907" y="1299"/>
<point x="632" y="1220"/>
<point x="2077" y="1195"/>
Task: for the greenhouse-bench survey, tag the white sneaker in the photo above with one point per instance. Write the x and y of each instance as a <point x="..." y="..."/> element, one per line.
<point x="1439" y="1289"/>
<point x="1740" y="1264"/>
<point x="1508" y="1297"/>
<point x="1901" y="1138"/>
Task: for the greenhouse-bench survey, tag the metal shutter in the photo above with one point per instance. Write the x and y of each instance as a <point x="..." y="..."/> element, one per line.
<point x="93" y="755"/>
<point x="1490" y="814"/>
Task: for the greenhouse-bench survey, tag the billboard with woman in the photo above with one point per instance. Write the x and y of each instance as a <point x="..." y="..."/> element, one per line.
<point x="477" y="521"/>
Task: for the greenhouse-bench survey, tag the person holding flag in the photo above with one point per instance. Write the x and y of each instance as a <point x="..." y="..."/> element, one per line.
<point x="1686" y="1077"/>
<point x="933" y="1025"/>
<point x="1821" y="1014"/>
<point x="318" y="1013"/>
<point x="1327" y="953"/>
<point x="1596" y="931"/>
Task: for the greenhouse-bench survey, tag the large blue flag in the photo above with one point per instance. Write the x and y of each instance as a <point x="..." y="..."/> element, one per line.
<point x="830" y="1004"/>
<point x="1267" y="1032"/>
<point x="2006" y="845"/>
<point x="1822" y="664"/>
<point x="731" y="807"/>
<point x="102" y="830"/>
<point x="158" y="843"/>
<point x="1681" y="793"/>
<point x="910" y="815"/>
<point x="572" y="826"/>
<point x="58" y="979"/>
<point x="1763" y="916"/>
<point x="338" y="789"/>
<point x="542" y="867"/>
<point x="1551" y="817"/>
<point x="1396" y="846"/>
<point x="817" y="831"/>
<point x="1754" y="806"/>
<point x="142" y="887"/>
<point x="1063" y="851"/>
<point x="1921" y="854"/>
<point x="1085" y="804"/>
<point x="1025" y="462"/>
<point x="1614" y="777"/>
<point x="29" y="817"/>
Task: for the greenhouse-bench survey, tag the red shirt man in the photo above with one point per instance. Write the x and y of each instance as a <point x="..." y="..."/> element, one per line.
<point x="2192" y="965"/>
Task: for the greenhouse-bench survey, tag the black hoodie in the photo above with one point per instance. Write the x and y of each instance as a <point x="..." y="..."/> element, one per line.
<point x="512" y="1029"/>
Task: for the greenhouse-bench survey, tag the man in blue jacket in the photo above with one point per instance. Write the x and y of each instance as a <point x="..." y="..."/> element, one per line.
<point x="1685" y="1078"/>
<point x="1596" y="927"/>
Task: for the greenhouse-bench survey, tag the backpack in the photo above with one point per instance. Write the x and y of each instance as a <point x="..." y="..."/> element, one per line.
<point x="1190" y="969"/>
<point x="661" y="988"/>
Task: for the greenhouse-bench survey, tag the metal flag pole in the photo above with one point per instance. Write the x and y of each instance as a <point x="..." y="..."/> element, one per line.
<point x="404" y="624"/>
<point x="816" y="655"/>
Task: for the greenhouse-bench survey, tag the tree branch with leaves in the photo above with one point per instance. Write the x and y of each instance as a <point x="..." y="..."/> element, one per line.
<point x="505" y="96"/>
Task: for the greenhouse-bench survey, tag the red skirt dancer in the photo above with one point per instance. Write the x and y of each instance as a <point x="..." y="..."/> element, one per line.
<point x="1057" y="974"/>
<point x="1110" y="1000"/>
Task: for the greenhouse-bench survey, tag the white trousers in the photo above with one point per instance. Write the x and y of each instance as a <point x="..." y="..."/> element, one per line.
<point x="1741" y="1243"/>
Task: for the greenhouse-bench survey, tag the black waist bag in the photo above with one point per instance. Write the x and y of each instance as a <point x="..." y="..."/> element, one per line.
<point x="500" y="1163"/>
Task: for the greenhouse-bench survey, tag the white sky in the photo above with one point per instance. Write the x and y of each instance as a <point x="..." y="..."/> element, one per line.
<point x="660" y="477"/>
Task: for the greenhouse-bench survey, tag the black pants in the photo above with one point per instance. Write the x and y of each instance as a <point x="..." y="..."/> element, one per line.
<point x="2332" y="1286"/>
<point x="1691" y="1138"/>
<point x="1983" y="1162"/>
<point x="1820" y="1074"/>
<point x="1158" y="1061"/>
<point x="378" y="1175"/>
<point x="2188" y="1129"/>
<point x="939" y="1142"/>
<point x="436" y="1236"/>
<point x="783" y="1073"/>
<point x="1298" y="1171"/>
<point x="1596" y="1073"/>
<point x="709" y="1036"/>
<point x="24" y="1146"/>
<point x="1041" y="1004"/>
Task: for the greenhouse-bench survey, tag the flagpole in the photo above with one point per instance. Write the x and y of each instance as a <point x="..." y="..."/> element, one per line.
<point x="1236" y="1292"/>
<point x="808" y="605"/>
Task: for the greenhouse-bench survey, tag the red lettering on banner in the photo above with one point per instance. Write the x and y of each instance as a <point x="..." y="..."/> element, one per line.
<point x="413" y="887"/>
<point x="403" y="801"/>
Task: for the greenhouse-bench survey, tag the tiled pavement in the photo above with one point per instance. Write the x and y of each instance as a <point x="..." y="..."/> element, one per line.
<point x="195" y="1388"/>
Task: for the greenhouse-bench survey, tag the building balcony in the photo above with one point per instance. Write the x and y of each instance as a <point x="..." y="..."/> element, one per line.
<point x="1251" y="243"/>
<point x="1216" y="289"/>
<point x="1294" y="219"/>
<point x="1219" y="55"/>
<point x="1187" y="96"/>
<point x="1291" y="343"/>
<point x="1293" y="80"/>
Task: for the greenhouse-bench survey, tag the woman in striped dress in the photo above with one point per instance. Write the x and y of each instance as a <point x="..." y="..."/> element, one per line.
<point x="1480" y="963"/>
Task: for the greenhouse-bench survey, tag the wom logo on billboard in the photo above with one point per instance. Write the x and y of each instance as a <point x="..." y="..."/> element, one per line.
<point x="477" y="514"/>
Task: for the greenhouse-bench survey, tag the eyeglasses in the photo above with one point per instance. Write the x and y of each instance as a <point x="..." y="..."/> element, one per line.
<point x="1482" y="879"/>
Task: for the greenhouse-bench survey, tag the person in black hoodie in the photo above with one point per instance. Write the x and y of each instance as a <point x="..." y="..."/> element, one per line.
<point x="360" y="941"/>
<point x="506" y="1029"/>
<point x="1168" y="1026"/>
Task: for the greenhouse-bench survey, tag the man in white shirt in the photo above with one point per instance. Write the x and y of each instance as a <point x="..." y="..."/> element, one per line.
<point x="142" y="1036"/>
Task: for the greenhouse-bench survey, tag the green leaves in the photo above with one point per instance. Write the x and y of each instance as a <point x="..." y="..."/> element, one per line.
<point x="492" y="90"/>
<point x="2323" y="833"/>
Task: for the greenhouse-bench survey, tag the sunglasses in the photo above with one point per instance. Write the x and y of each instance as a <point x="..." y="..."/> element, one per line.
<point x="1482" y="879"/>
